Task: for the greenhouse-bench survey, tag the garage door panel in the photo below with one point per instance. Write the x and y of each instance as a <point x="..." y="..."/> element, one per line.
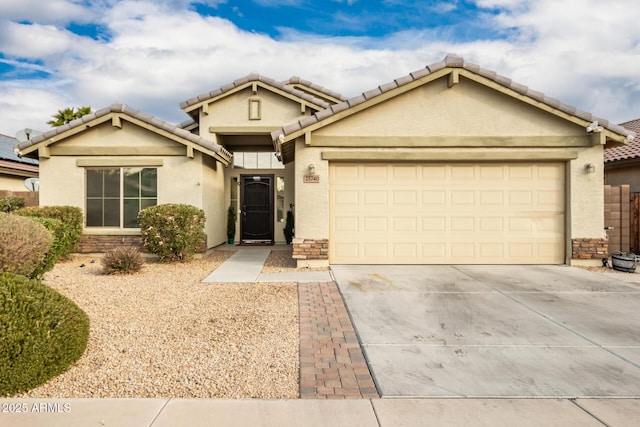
<point x="462" y="224"/>
<point x="405" y="250"/>
<point x="345" y="197"/>
<point x="344" y="224"/>
<point x="434" y="197"/>
<point x="404" y="197"/>
<point x="375" y="224"/>
<point x="376" y="198"/>
<point x="376" y="173"/>
<point x="404" y="224"/>
<point x="491" y="224"/>
<point x="456" y="213"/>
<point x="345" y="173"/>
<point x="462" y="172"/>
<point x="491" y="198"/>
<point x="433" y="172"/>
<point x="462" y="197"/>
<point x="434" y="224"/>
<point x="376" y="249"/>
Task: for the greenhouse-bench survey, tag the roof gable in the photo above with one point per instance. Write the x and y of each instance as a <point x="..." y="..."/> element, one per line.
<point x="116" y="113"/>
<point x="192" y="105"/>
<point x="453" y="67"/>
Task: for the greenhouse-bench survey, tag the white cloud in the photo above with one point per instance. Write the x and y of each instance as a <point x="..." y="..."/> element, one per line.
<point x="158" y="54"/>
<point x="46" y="12"/>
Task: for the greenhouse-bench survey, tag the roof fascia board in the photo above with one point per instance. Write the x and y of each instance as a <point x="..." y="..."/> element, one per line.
<point x="316" y="93"/>
<point x="622" y="163"/>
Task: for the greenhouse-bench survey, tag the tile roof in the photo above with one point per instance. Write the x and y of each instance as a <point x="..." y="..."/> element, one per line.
<point x="450" y="61"/>
<point x="629" y="151"/>
<point x="7" y="144"/>
<point x="295" y="80"/>
<point x="125" y="109"/>
<point x="321" y="103"/>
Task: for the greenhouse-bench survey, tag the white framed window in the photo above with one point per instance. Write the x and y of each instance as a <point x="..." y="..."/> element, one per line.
<point x="253" y="160"/>
<point x="114" y="196"/>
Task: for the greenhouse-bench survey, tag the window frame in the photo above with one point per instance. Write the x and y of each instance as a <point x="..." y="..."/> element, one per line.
<point x="121" y="197"/>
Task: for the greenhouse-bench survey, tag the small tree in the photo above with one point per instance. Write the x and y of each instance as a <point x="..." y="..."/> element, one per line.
<point x="288" y="228"/>
<point x="231" y="224"/>
<point x="62" y="117"/>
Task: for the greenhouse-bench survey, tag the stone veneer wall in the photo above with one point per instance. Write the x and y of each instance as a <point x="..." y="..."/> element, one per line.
<point x="590" y="248"/>
<point x="310" y="248"/>
<point x="95" y="243"/>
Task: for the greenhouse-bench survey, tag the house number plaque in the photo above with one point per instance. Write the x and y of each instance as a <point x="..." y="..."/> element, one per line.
<point x="311" y="178"/>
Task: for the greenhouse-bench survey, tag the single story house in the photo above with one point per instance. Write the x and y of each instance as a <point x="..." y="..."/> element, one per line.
<point x="622" y="163"/>
<point x="452" y="163"/>
<point x="14" y="170"/>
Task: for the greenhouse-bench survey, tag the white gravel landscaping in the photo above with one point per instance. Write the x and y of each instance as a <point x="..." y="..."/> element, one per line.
<point x="161" y="333"/>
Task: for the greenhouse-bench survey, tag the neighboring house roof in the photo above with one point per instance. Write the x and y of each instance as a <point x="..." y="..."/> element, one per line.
<point x="115" y="112"/>
<point x="11" y="163"/>
<point x="191" y="105"/>
<point x="314" y="89"/>
<point x="624" y="152"/>
<point x="7" y="144"/>
<point x="458" y="64"/>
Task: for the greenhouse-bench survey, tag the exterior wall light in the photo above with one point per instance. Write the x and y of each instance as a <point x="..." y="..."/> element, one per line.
<point x="312" y="169"/>
<point x="590" y="168"/>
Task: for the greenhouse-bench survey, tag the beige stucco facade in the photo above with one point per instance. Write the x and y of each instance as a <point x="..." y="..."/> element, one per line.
<point x="452" y="118"/>
<point x="468" y="122"/>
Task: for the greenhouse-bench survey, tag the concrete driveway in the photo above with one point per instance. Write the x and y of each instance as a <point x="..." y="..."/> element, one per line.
<point x="495" y="331"/>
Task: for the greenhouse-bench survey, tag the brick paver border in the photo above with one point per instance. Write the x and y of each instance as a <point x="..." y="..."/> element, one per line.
<point x="332" y="365"/>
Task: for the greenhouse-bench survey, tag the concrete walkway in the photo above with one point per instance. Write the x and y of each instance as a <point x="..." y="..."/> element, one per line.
<point x="246" y="264"/>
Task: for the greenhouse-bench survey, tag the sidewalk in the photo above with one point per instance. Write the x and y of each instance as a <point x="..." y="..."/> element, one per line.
<point x="162" y="412"/>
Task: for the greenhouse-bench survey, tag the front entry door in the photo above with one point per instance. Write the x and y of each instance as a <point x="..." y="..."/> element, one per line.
<point x="256" y="204"/>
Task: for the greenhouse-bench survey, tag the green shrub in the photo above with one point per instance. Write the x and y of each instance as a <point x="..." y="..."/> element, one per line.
<point x="23" y="244"/>
<point x="42" y="333"/>
<point x="125" y="260"/>
<point x="172" y="231"/>
<point x="69" y="215"/>
<point x="8" y="204"/>
<point x="60" y="246"/>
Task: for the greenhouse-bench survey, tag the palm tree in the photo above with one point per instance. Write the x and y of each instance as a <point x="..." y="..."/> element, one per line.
<point x="63" y="117"/>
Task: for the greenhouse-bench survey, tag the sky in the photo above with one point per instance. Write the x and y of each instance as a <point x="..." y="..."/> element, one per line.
<point x="154" y="54"/>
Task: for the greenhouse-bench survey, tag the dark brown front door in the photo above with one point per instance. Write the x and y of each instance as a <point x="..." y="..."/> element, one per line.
<point x="256" y="201"/>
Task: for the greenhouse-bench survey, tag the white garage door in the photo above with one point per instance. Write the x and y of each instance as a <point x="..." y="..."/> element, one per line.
<point x="447" y="213"/>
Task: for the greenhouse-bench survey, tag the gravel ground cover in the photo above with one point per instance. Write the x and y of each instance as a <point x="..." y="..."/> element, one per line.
<point x="161" y="333"/>
<point x="280" y="261"/>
